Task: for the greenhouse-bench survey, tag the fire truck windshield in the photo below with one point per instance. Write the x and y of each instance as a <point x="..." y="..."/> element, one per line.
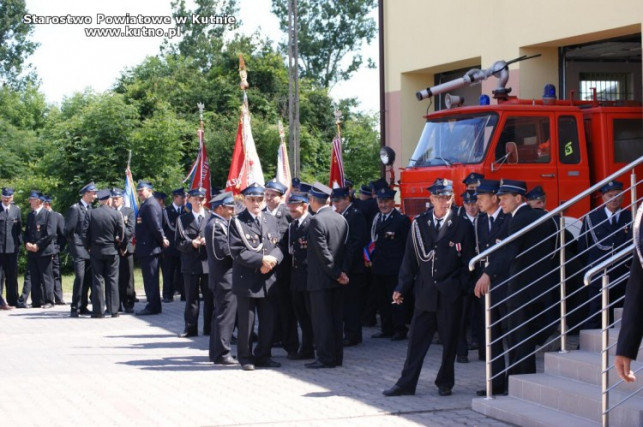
<point x="456" y="139"/>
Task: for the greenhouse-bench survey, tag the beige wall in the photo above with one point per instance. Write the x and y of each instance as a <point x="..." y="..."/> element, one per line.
<point x="422" y="38"/>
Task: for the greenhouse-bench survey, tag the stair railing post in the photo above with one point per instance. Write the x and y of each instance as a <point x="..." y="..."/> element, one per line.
<point x="487" y="339"/>
<point x="605" y="297"/>
<point x="563" y="289"/>
<point x="633" y="194"/>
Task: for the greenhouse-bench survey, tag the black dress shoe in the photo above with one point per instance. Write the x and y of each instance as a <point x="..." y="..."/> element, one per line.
<point x="462" y="359"/>
<point x="61" y="303"/>
<point x="115" y="314"/>
<point x="21" y="304"/>
<point x="187" y="334"/>
<point x="129" y="310"/>
<point x="147" y="312"/>
<point x="443" y="391"/>
<point x="137" y="300"/>
<point x="98" y="316"/>
<point x="168" y="300"/>
<point x="318" y="365"/>
<point x="48" y="305"/>
<point x="398" y="336"/>
<point x="382" y="335"/>
<point x="74" y="313"/>
<point x="269" y="363"/>
<point x="227" y="360"/>
<point x="248" y="367"/>
<point x="84" y="311"/>
<point x="396" y="390"/>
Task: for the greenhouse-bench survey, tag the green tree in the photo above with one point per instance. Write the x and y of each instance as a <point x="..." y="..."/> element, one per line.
<point x="15" y="46"/>
<point x="329" y="31"/>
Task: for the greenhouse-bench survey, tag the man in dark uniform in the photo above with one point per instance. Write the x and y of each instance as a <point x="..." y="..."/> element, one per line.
<point x="285" y="321"/>
<point x="82" y="266"/>
<point x="327" y="238"/>
<point x="389" y="231"/>
<point x="297" y="241"/>
<point x="527" y="258"/>
<point x="254" y="238"/>
<point x="160" y="198"/>
<point x="190" y="241"/>
<point x="473" y="180"/>
<point x="171" y="258"/>
<point x="40" y="234"/>
<point x="491" y="227"/>
<point x="102" y="232"/>
<point x="10" y="242"/>
<point x="150" y="238"/>
<point x="629" y="338"/>
<point x="220" y="279"/>
<point x="59" y="245"/>
<point x="435" y="267"/>
<point x="367" y="205"/>
<point x="352" y="264"/>
<point x="125" y="253"/>
<point x="605" y="231"/>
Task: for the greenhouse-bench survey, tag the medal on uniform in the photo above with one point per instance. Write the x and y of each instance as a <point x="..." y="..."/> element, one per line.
<point x="451" y="244"/>
<point x="38" y="227"/>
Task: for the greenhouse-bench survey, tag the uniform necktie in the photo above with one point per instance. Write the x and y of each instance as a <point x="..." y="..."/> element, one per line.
<point x="490" y="223"/>
<point x="438" y="221"/>
<point x="258" y="221"/>
<point x="198" y="219"/>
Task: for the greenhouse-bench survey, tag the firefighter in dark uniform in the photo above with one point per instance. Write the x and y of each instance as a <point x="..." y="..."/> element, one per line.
<point x="10" y="242"/>
<point x="125" y="253"/>
<point x="491" y="227"/>
<point x="297" y="243"/>
<point x="353" y="264"/>
<point x="327" y="238"/>
<point x="40" y="234"/>
<point x="59" y="244"/>
<point x="220" y="279"/>
<point x="469" y="212"/>
<point x="285" y="321"/>
<point x="254" y="246"/>
<point x="605" y="231"/>
<point x="150" y="239"/>
<point x="171" y="259"/>
<point x="435" y="267"/>
<point x="389" y="232"/>
<point x="102" y="233"/>
<point x="190" y="241"/>
<point x="82" y="266"/>
<point x="367" y="205"/>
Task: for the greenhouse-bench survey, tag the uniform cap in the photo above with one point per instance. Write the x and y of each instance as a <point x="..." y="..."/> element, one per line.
<point x="159" y="195"/>
<point x="385" y="193"/>
<point x="487" y="186"/>
<point x="441" y="187"/>
<point x="7" y="191"/>
<point x="512" y="186"/>
<point x="117" y="192"/>
<point x="253" y="189"/>
<point x="320" y="191"/>
<point x="473" y="178"/>
<point x="197" y="192"/>
<point x="277" y="186"/>
<point x="223" y="199"/>
<point x="340" y="193"/>
<point x="304" y="187"/>
<point x="46" y="198"/>
<point x="612" y="185"/>
<point x="89" y="187"/>
<point x="295" y="182"/>
<point x="469" y="196"/>
<point x="535" y="193"/>
<point x="103" y="194"/>
<point x="35" y="194"/>
<point x="365" y="189"/>
<point x="378" y="184"/>
<point x="144" y="184"/>
<point x="348" y="183"/>
<point x="179" y="192"/>
<point x="296" y="197"/>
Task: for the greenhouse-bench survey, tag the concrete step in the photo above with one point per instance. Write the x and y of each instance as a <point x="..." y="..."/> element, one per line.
<point x="575" y="397"/>
<point x="523" y="413"/>
<point x="590" y="340"/>
<point x="618" y="315"/>
<point x="585" y="366"/>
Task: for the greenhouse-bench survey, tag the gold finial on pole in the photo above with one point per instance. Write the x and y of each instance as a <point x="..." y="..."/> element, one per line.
<point x="201" y="107"/>
<point x="243" y="74"/>
<point x="338" y="122"/>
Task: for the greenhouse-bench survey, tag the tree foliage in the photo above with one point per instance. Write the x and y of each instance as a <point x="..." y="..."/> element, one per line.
<point x="15" y="46"/>
<point x="330" y="32"/>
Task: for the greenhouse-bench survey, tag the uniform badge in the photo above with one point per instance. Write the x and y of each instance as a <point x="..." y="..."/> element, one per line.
<point x="451" y="244"/>
<point x="458" y="247"/>
<point x="498" y="241"/>
<point x="138" y="220"/>
<point x="389" y="235"/>
<point x="38" y="227"/>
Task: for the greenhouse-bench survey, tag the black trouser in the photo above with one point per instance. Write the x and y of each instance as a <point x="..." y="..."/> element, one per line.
<point x="82" y="283"/>
<point x="9" y="274"/>
<point x="172" y="276"/>
<point x="301" y="307"/>
<point x="246" y="318"/>
<point x="287" y="323"/>
<point x="326" y="312"/>
<point x="393" y="316"/>
<point x="225" y="314"/>
<point x="353" y="307"/>
<point x="369" y="296"/>
<point x="58" y="284"/>
<point x="193" y="283"/>
<point x="150" y="271"/>
<point x="126" y="281"/>
<point x="105" y="283"/>
<point x="465" y="322"/>
<point x="446" y="320"/>
<point x="42" y="280"/>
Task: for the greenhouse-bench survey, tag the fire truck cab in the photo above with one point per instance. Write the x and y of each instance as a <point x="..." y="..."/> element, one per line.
<point x="562" y="145"/>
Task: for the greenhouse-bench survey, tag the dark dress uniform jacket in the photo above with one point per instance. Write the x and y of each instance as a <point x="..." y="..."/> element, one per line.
<point x="193" y="260"/>
<point x="73" y="226"/>
<point x="357" y="238"/>
<point x="603" y="239"/>
<point x="103" y="231"/>
<point x="41" y="230"/>
<point x="391" y="239"/>
<point x="283" y="218"/>
<point x="487" y="239"/>
<point x="10" y="230"/>
<point x="298" y="249"/>
<point x="247" y="279"/>
<point x="169" y="228"/>
<point x="129" y="221"/>
<point x="60" y="240"/>
<point x="149" y="230"/>
<point x="327" y="236"/>
<point x="446" y="271"/>
<point x="218" y="249"/>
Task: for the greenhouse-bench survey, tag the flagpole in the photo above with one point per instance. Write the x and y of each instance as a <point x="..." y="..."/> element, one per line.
<point x="338" y="123"/>
<point x="201" y="106"/>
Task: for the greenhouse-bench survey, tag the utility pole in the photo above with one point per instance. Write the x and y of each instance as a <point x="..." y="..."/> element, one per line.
<point x="293" y="88"/>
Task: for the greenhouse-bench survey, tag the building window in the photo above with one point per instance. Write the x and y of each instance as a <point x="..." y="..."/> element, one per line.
<point x="609" y="86"/>
<point x="524" y="140"/>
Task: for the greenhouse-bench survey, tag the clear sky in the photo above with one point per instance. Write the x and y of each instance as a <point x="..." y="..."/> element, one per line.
<point x="68" y="60"/>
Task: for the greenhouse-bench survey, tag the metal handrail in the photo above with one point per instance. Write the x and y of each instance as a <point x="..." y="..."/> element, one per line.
<point x="605" y="367"/>
<point x="552" y="213"/>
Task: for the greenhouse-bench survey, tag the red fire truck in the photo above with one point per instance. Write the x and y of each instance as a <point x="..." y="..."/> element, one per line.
<point x="562" y="145"/>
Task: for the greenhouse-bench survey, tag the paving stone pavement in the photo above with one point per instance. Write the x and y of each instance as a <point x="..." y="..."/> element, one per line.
<point x="59" y="371"/>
